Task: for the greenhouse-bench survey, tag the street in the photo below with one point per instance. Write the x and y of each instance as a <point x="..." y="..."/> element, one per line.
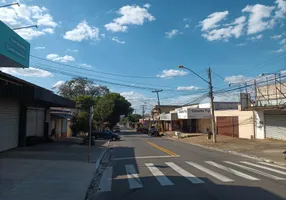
<point x="143" y="167"/>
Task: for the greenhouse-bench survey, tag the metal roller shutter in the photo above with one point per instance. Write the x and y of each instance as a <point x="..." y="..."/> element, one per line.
<point x="275" y="126"/>
<point x="9" y="124"/>
<point x="35" y="122"/>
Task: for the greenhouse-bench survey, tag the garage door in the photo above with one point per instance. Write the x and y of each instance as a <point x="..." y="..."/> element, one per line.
<point x="275" y="126"/>
<point x="35" y="122"/>
<point x="9" y="124"/>
<point x="227" y="126"/>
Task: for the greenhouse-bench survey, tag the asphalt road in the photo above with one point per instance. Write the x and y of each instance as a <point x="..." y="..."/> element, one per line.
<point x="143" y="168"/>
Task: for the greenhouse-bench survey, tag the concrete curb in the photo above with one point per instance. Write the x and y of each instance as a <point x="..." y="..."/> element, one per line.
<point x="232" y="152"/>
<point x="97" y="165"/>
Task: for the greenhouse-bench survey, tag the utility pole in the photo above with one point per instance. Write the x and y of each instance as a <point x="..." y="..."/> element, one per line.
<point x="159" y="109"/>
<point x="212" y="104"/>
<point x="144" y="107"/>
<point x="89" y="135"/>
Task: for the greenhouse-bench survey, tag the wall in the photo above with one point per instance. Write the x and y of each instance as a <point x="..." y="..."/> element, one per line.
<point x="245" y="121"/>
<point x="259" y="124"/>
<point x="221" y="105"/>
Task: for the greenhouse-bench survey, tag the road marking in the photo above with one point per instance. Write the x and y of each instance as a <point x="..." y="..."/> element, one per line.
<point x="161" y="148"/>
<point x="106" y="180"/>
<point x="233" y="171"/>
<point x="133" y="178"/>
<point x="263" y="167"/>
<point x="256" y="171"/>
<point x="272" y="165"/>
<point x="163" y="180"/>
<point x="210" y="172"/>
<point x="184" y="173"/>
<point x="143" y="157"/>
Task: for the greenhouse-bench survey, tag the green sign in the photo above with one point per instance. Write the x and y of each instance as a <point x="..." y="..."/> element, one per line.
<point x="14" y="50"/>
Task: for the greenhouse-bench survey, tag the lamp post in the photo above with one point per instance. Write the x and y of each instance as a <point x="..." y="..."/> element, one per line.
<point x="209" y="82"/>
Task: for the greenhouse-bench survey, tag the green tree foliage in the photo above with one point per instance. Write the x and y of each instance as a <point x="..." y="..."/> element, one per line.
<point x="109" y="108"/>
<point x="80" y="122"/>
<point x="134" y="118"/>
<point x="81" y="86"/>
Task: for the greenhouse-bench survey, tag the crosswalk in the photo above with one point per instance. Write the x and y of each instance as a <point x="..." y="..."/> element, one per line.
<point x="254" y="172"/>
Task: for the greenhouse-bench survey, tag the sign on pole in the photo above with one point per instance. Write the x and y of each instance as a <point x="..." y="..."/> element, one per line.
<point x="14" y="50"/>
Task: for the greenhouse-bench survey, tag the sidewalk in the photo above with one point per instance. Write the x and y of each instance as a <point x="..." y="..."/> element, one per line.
<point x="56" y="171"/>
<point x="269" y="150"/>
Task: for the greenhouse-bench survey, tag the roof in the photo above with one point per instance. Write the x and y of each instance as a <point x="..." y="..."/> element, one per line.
<point x="29" y="93"/>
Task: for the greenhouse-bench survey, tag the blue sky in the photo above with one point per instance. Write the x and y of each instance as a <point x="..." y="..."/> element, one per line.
<point x="237" y="39"/>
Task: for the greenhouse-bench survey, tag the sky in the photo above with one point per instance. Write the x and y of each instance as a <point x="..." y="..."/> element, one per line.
<point x="136" y="46"/>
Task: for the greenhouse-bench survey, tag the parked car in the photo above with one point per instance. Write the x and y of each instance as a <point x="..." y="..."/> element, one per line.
<point x="105" y="134"/>
<point x="153" y="131"/>
<point x="142" y="130"/>
<point x="116" y="129"/>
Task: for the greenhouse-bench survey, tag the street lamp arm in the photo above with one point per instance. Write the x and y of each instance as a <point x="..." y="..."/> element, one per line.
<point x="195" y="74"/>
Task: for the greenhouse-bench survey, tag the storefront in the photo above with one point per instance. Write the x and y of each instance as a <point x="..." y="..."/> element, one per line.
<point x="191" y="118"/>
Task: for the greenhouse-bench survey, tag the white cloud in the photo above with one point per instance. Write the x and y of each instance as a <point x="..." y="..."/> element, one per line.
<point x="259" y="19"/>
<point x="130" y="15"/>
<point x="282" y="42"/>
<point x="31" y="71"/>
<point x="172" y="33"/>
<point x="147" y="5"/>
<point x="49" y="30"/>
<point x="63" y="59"/>
<point x="24" y="15"/>
<point x="211" y="21"/>
<point x="235" y="29"/>
<point x="237" y="79"/>
<point x="255" y="38"/>
<point x="281" y="8"/>
<point x="187" y="88"/>
<point x="58" y="84"/>
<point x="172" y="73"/>
<point x="82" y="32"/>
<point x="85" y="65"/>
<point x="241" y="44"/>
<point x="39" y="48"/>
<point x="72" y="50"/>
<point x="277" y="37"/>
<point x="115" y="39"/>
<point x="187" y="26"/>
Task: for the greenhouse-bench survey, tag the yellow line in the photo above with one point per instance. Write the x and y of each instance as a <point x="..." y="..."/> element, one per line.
<point x="161" y="148"/>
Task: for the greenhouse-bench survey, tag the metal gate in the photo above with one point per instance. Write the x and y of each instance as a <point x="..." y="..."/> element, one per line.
<point x="227" y="126"/>
<point x="35" y="122"/>
<point x="9" y="124"/>
<point x="275" y="126"/>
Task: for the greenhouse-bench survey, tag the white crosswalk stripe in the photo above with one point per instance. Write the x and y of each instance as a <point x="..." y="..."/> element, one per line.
<point x="263" y="167"/>
<point x="163" y="180"/>
<point x="184" y="173"/>
<point x="106" y="180"/>
<point x="133" y="178"/>
<point x="210" y="172"/>
<point x="272" y="165"/>
<point x="255" y="171"/>
<point x="233" y="171"/>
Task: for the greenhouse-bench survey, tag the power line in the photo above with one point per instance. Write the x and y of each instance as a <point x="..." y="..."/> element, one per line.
<point x="95" y="71"/>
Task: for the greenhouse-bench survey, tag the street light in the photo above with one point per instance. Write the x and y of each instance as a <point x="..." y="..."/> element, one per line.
<point x="210" y="93"/>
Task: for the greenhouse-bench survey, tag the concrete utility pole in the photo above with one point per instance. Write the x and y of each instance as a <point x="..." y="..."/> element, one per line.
<point x="159" y="109"/>
<point x="89" y="135"/>
<point x="210" y="94"/>
<point x="212" y="104"/>
<point x="144" y="107"/>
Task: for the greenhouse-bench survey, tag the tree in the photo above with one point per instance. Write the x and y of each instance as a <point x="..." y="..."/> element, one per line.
<point x="80" y="122"/>
<point x="81" y="86"/>
<point x="134" y="118"/>
<point x="110" y="107"/>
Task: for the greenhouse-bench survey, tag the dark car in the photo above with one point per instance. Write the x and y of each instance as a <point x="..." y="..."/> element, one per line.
<point x="105" y="134"/>
<point x="153" y="131"/>
<point x="142" y="130"/>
